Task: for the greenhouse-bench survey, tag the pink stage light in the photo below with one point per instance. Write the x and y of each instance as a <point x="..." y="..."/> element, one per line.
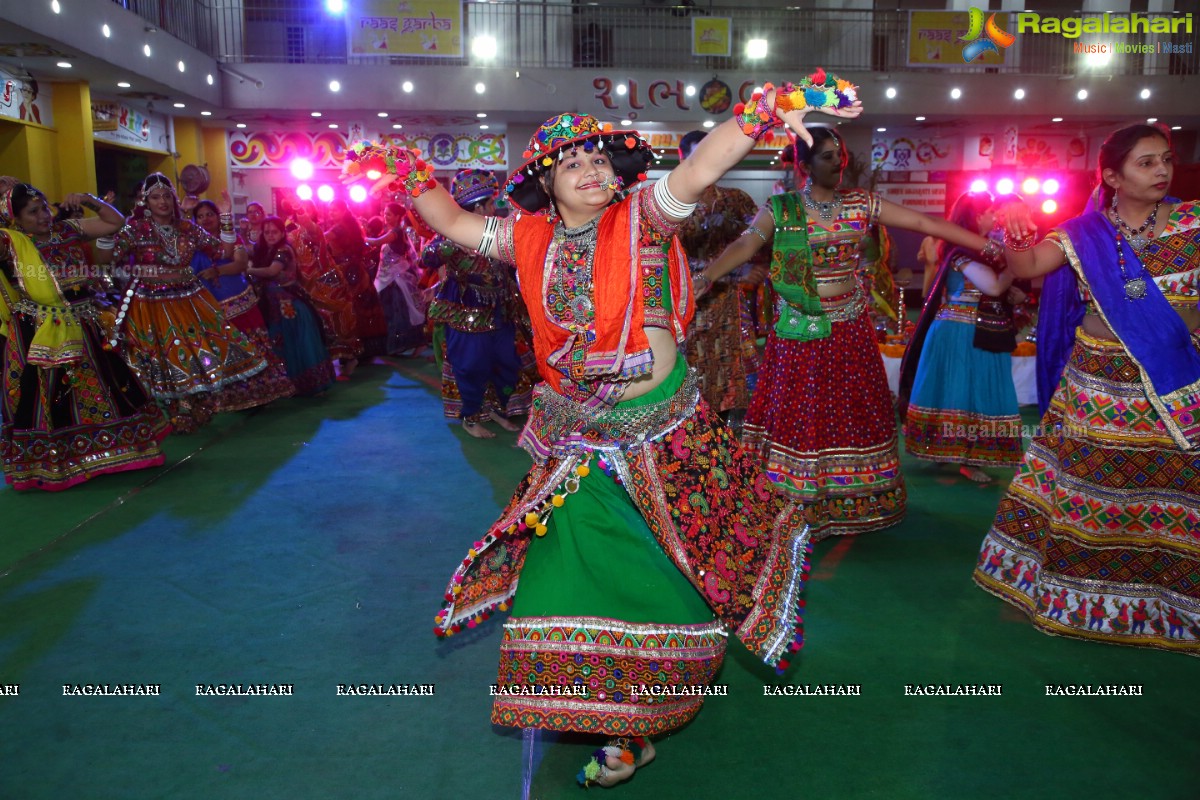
<point x="325" y="193"/>
<point x="1030" y="186"/>
<point x="1050" y="186"/>
<point x="1004" y="186"/>
<point x="358" y="194"/>
<point x="302" y="169"/>
<point x="304" y="191"/>
<point x="1049" y="207"/>
<point x="979" y="185"/>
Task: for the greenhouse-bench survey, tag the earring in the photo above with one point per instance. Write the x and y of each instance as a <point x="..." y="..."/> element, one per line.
<point x="1113" y="204"/>
<point x="553" y="210"/>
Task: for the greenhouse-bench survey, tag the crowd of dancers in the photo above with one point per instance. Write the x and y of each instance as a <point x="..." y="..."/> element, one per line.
<point x="622" y="316"/>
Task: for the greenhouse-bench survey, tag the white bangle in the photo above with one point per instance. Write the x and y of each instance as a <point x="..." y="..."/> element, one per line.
<point x="669" y="203"/>
<point x="228" y="237"/>
<point x="489" y="235"/>
<point x="106" y="243"/>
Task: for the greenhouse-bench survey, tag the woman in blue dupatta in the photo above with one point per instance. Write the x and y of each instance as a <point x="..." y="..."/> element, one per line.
<point x="1096" y="537"/>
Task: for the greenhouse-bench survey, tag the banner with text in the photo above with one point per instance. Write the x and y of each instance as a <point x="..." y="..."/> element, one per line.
<point x="429" y="28"/>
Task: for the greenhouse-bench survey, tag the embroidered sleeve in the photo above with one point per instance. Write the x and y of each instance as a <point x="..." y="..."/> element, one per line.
<point x="1054" y="238"/>
<point x="203" y="241"/>
<point x="652" y="214"/>
<point x="68" y="231"/>
<point x="122" y="244"/>
<point x="874" y="206"/>
<point x="1185" y="217"/>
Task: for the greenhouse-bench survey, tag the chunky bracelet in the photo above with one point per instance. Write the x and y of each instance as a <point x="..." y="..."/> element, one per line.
<point x="671" y="205"/>
<point x="1018" y="244"/>
<point x="489" y="235"/>
<point x="226" y="222"/>
<point x="992" y="253"/>
<point x="819" y="90"/>
<point x="754" y="229"/>
<point x="702" y="284"/>
<point x="106" y="243"/>
<point x="756" y="118"/>
<point x="228" y="237"/>
<point x="373" y="161"/>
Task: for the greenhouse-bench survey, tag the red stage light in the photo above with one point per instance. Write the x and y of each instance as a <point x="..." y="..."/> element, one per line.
<point x="304" y="191"/>
<point x="979" y="185"/>
<point x="1050" y="186"/>
<point x="358" y="194"/>
<point x="1004" y="186"/>
<point x="1049" y="207"/>
<point x="325" y="193"/>
<point x="1030" y="186"/>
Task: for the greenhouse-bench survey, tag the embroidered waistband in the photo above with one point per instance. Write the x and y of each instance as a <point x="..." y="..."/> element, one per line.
<point x="850" y="310"/>
<point x="560" y="426"/>
<point x="78" y="310"/>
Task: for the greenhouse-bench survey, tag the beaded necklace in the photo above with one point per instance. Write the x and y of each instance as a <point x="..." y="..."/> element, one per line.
<point x="825" y="210"/>
<point x="1136" y="240"/>
<point x="1135" y="285"/>
<point x="573" y="278"/>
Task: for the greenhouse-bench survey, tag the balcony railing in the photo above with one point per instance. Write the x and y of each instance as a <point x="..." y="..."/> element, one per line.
<point x="563" y="35"/>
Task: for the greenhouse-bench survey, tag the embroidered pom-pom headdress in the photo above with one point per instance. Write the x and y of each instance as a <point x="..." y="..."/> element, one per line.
<point x="628" y="152"/>
<point x="471" y="186"/>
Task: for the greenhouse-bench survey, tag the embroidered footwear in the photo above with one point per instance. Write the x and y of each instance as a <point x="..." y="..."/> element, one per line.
<point x="616" y="761"/>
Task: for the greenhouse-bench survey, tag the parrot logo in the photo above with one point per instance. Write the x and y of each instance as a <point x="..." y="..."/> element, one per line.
<point x="993" y="33"/>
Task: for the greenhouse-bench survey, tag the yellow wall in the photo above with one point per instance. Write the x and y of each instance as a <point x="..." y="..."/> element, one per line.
<point x="216" y="155"/>
<point x="27" y="153"/>
<point x="188" y="145"/>
<point x="72" y="147"/>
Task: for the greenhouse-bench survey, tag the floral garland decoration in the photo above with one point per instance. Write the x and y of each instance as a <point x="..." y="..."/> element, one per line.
<point x="377" y="161"/>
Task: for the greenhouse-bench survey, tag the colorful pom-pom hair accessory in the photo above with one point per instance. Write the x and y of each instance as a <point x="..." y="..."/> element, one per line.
<point x="627" y="151"/>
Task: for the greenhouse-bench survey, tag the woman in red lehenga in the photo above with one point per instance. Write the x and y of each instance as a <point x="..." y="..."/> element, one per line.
<point x="323" y="282"/>
<point x="349" y="250"/>
<point x="822" y="418"/>
<point x="175" y="333"/>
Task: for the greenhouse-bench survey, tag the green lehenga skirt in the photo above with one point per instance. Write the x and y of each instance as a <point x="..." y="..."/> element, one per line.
<point x="607" y="635"/>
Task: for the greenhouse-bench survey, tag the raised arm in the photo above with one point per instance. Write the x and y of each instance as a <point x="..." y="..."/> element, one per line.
<point x="1024" y="258"/>
<point x="107" y="221"/>
<point x="402" y="169"/>
<point x="732" y="140"/>
<point x="745" y="247"/>
<point x="897" y="216"/>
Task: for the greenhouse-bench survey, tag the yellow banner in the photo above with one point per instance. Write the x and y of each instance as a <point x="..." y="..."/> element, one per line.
<point x="712" y="36"/>
<point x="432" y="28"/>
<point x="937" y="39"/>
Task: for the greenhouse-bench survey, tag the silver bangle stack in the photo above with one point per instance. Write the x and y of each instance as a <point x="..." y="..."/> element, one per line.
<point x="106" y="243"/>
<point x="489" y="235"/>
<point x="669" y="203"/>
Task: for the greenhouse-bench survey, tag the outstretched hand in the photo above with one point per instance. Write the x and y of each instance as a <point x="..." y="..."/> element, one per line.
<point x="1017" y="220"/>
<point x="795" y="117"/>
<point x="226" y="204"/>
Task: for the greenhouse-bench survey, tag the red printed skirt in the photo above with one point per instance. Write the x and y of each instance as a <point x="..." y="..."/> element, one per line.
<point x="823" y="422"/>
